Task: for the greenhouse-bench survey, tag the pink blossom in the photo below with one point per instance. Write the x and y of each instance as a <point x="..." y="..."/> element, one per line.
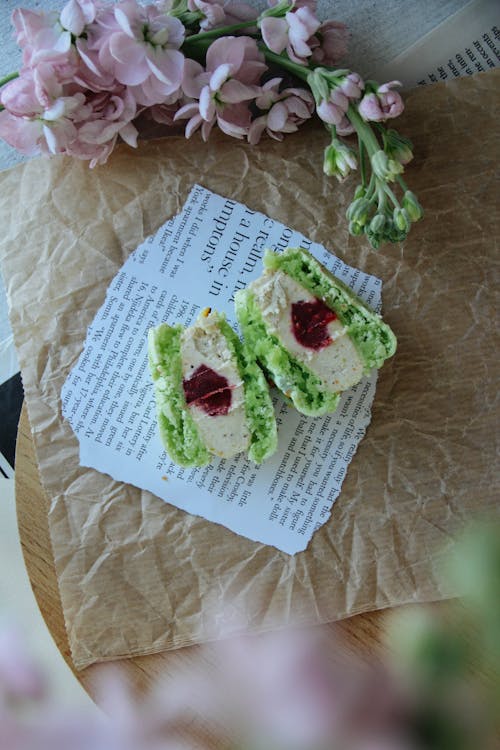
<point x="106" y="116"/>
<point x="291" y="33"/>
<point x="345" y="127"/>
<point x="333" y="110"/>
<point x="41" y="37"/>
<point x="383" y="105"/>
<point x="233" y="67"/>
<point x="76" y="15"/>
<point x="38" y="114"/>
<point x="220" y="13"/>
<point x="140" y="46"/>
<point x="329" y="44"/>
<point x="286" y="110"/>
<point x="352" y="86"/>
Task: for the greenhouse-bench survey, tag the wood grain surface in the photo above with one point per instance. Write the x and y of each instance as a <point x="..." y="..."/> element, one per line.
<point x="362" y="636"/>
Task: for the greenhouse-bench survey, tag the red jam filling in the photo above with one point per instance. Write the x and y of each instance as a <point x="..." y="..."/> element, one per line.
<point x="309" y="323"/>
<point x="208" y="390"/>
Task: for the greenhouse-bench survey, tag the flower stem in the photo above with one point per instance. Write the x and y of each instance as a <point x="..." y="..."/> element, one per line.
<point x="284" y="62"/>
<point x="8" y="78"/>
<point x="216" y="33"/>
<point x="364" y="131"/>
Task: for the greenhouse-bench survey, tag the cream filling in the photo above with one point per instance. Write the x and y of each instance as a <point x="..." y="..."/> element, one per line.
<point x="338" y="365"/>
<point x="204" y="344"/>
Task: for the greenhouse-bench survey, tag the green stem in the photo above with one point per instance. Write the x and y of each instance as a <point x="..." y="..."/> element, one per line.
<point x="391" y="195"/>
<point x="283" y="61"/>
<point x="364" y="131"/>
<point x="216" y="33"/>
<point x="403" y="184"/>
<point x="8" y="78"/>
<point x="362" y="163"/>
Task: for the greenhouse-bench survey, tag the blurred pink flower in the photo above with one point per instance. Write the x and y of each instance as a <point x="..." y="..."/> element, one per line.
<point x="383" y="105"/>
<point x="20" y="677"/>
<point x="140" y="46"/>
<point x="219" y="93"/>
<point x="286" y="110"/>
<point x="292" y="33"/>
<point x="329" y="44"/>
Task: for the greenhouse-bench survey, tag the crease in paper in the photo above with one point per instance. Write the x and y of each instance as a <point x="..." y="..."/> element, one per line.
<point x="199" y="258"/>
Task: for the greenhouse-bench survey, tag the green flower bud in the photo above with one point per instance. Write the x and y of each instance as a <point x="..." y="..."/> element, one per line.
<point x="339" y="160"/>
<point x="412" y="206"/>
<point x="385" y="168"/>
<point x="374" y="239"/>
<point x="377" y="224"/>
<point x="358" y="211"/>
<point x="355" y="229"/>
<point x="401" y="219"/>
<point x="360" y="192"/>
<point x="397" y="147"/>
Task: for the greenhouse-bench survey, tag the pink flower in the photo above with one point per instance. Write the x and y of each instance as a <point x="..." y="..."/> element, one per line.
<point x="383" y="105"/>
<point x="106" y="116"/>
<point x="291" y="33"/>
<point x="220" y="13"/>
<point x="212" y="10"/>
<point x="352" y="86"/>
<point x="333" y="110"/>
<point x="286" y="110"/>
<point x="233" y="67"/>
<point x="140" y="46"/>
<point x="330" y="43"/>
<point x="345" y="127"/>
<point x="38" y="114"/>
<point x="76" y="15"/>
<point x="41" y="37"/>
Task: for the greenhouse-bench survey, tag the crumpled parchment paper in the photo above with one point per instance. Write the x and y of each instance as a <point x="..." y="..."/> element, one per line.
<point x="138" y="576"/>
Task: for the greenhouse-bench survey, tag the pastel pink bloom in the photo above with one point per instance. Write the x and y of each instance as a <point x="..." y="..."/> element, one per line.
<point x="345" y="127"/>
<point x="220" y="13"/>
<point x="38" y="116"/>
<point x="140" y="46"/>
<point x="291" y="33"/>
<point x="76" y="15"/>
<point x="213" y="12"/>
<point x="352" y="86"/>
<point x="41" y="37"/>
<point x="286" y="110"/>
<point x="329" y="44"/>
<point x="233" y="67"/>
<point x="106" y="117"/>
<point x="333" y="110"/>
<point x="383" y="105"/>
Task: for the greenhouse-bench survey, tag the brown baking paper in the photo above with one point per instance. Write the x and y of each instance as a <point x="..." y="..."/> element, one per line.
<point x="138" y="576"/>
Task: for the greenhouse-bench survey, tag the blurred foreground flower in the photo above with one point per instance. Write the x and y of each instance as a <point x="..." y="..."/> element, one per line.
<point x="95" y="71"/>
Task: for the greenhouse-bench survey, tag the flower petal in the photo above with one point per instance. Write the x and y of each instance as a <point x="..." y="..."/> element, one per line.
<point x="233" y="92"/>
<point x="274" y="33"/>
<point x="125" y="50"/>
<point x="167" y="65"/>
<point x="207" y="105"/>
<point x="220" y="76"/>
